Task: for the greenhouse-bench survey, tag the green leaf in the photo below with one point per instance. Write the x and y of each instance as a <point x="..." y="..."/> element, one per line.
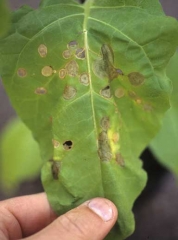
<point x="89" y="81"/>
<point x="165" y="144"/>
<point x="20" y="156"/>
<point x="4" y="17"/>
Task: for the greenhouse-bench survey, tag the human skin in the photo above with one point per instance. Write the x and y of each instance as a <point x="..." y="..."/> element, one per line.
<point x="31" y="218"/>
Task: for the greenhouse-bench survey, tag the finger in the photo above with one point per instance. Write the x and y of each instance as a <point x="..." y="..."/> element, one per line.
<point x="92" y="220"/>
<point x="24" y="216"/>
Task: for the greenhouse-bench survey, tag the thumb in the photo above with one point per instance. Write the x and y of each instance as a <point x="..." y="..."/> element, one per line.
<point x="91" y="220"/>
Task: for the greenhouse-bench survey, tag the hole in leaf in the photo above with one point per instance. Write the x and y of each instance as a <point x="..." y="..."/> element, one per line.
<point x="67" y="145"/>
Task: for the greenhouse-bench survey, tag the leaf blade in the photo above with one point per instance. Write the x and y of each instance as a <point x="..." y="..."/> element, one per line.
<point x="163" y="145"/>
<point x="96" y="92"/>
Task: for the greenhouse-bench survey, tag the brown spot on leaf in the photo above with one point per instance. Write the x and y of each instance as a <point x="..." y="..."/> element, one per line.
<point x="105" y="123"/>
<point x="107" y="53"/>
<point x="72" y="45"/>
<point x="134" y="96"/>
<point x="67" y="54"/>
<point x="47" y="71"/>
<point x="99" y="69"/>
<point x="55" y="168"/>
<point x="42" y="50"/>
<point x="104" y="149"/>
<point x="120" y="160"/>
<point x="147" y="107"/>
<point x="41" y="91"/>
<point x="55" y="143"/>
<point x="80" y="53"/>
<point x="103" y="67"/>
<point x="72" y="68"/>
<point x="136" y="78"/>
<point x="21" y="72"/>
<point x="69" y="92"/>
<point x="62" y="73"/>
<point x="106" y="92"/>
<point x="119" y="92"/>
<point x="84" y="79"/>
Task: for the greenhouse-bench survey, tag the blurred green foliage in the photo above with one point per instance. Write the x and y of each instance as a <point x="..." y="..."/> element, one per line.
<point x="19" y="155"/>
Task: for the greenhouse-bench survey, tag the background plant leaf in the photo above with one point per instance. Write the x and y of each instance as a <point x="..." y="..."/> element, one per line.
<point x="89" y="81"/>
<point x="165" y="144"/>
<point x="4" y="17"/>
<point x="20" y="155"/>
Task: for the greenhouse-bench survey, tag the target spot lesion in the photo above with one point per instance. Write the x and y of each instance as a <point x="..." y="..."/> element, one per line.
<point x="40" y="91"/>
<point x="103" y="66"/>
<point x="84" y="79"/>
<point x="136" y="79"/>
<point x="104" y="149"/>
<point x="69" y="92"/>
<point x="42" y="50"/>
<point x="106" y="92"/>
<point x="22" y="72"/>
<point x="47" y="71"/>
<point x="55" y="168"/>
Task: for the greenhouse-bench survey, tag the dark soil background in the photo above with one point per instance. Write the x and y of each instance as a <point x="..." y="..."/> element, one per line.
<point x="156" y="210"/>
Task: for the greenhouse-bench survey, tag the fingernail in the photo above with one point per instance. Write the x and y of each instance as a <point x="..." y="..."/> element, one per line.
<point x="101" y="208"/>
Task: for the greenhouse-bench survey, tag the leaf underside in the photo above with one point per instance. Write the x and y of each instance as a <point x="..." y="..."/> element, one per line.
<point x="89" y="81"/>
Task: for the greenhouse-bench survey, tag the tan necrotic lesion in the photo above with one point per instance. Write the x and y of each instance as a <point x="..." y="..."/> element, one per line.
<point x="104" y="149"/>
<point x="21" y="72"/>
<point x="42" y="50"/>
<point x="69" y="92"/>
<point x="103" y="67"/>
<point x="55" y="168"/>
<point x="40" y="91"/>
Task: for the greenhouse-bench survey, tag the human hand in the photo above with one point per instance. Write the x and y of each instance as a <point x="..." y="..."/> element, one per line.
<point x="31" y="218"/>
